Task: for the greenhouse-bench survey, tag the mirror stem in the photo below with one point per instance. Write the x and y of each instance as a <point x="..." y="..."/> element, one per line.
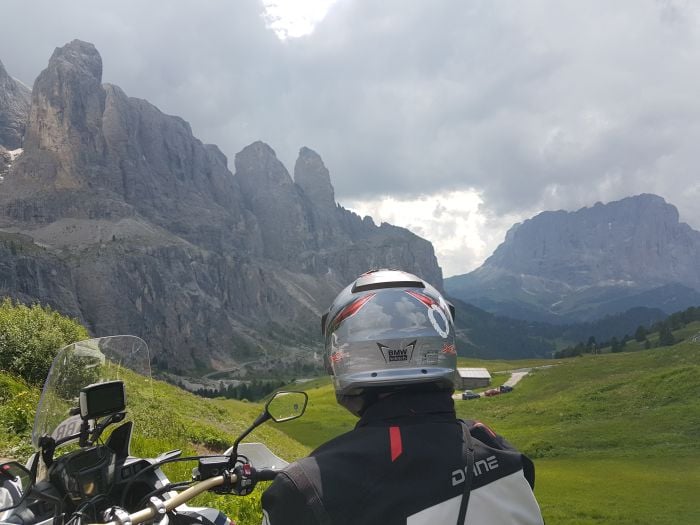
<point x="259" y="421"/>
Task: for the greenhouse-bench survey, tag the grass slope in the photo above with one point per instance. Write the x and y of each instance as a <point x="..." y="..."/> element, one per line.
<point x="687" y="333"/>
<point x="615" y="437"/>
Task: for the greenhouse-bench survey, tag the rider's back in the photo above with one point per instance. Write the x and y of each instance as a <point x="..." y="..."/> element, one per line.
<point x="404" y="463"/>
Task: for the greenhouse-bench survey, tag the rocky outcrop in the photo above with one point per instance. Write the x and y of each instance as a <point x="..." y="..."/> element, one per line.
<point x="14" y="110"/>
<point x="638" y="239"/>
<point x="588" y="263"/>
<point x="116" y="214"/>
<point x="270" y="195"/>
<point x="314" y="180"/>
<point x="5" y="162"/>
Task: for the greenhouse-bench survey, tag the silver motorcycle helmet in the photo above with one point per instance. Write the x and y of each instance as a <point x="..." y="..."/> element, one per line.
<point x="387" y="331"/>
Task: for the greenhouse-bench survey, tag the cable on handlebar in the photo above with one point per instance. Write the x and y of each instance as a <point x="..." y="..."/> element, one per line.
<point x="161" y="490"/>
<point x="155" y="466"/>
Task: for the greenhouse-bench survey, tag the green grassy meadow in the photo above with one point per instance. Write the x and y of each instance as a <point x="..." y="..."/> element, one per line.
<point x="615" y="437"/>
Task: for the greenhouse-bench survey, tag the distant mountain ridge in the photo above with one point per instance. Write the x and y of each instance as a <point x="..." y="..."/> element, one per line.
<point x="566" y="267"/>
<point x="116" y="214"/>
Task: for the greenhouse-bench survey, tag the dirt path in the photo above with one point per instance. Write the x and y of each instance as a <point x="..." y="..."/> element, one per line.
<point x="516" y="376"/>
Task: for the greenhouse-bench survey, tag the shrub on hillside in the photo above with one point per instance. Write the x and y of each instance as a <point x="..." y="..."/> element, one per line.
<point x="30" y="336"/>
<point x="17" y="405"/>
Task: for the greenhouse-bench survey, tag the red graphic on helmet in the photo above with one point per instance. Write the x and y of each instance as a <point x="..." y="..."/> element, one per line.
<point x="449" y="349"/>
<point x="436" y="314"/>
<point x="350" y="310"/>
<point x="427" y="301"/>
<point x="338" y="356"/>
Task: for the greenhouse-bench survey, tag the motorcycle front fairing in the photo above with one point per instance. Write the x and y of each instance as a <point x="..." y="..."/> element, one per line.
<point x="71" y="465"/>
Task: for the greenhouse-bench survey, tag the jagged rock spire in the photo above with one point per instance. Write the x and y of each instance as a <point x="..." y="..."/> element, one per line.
<point x="68" y="102"/>
<point x="311" y="175"/>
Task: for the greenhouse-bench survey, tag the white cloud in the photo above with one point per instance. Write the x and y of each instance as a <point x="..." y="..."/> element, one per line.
<point x="461" y="231"/>
<point x="294" y="18"/>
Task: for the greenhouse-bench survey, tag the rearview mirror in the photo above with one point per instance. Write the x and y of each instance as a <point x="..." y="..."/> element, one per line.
<point x="15" y="484"/>
<point x="285" y="406"/>
<point x="282" y="407"/>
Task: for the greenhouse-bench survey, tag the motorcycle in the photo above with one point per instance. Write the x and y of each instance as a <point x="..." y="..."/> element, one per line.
<point x="75" y="477"/>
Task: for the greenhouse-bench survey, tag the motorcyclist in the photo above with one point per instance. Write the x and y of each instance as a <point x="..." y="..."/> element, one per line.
<point x="390" y="350"/>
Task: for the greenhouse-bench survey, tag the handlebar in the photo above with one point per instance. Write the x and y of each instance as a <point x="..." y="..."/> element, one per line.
<point x="159" y="507"/>
<point x="265" y="475"/>
<point x="169" y="504"/>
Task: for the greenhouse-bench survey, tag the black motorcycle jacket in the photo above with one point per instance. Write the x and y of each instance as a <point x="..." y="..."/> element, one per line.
<point x="404" y="464"/>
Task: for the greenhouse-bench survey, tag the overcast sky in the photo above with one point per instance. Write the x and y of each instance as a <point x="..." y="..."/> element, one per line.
<point x="453" y="118"/>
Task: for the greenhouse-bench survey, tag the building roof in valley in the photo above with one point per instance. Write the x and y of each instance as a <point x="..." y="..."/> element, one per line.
<point x="474" y="373"/>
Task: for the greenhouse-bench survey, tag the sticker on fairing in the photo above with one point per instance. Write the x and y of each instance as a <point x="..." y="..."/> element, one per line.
<point x="67" y="427"/>
<point x="439" y="321"/>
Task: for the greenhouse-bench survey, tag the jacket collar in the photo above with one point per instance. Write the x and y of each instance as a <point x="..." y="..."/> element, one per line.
<point x="406" y="405"/>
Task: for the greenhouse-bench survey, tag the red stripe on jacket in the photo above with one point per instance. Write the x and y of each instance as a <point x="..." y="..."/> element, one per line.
<point x="395" y="442"/>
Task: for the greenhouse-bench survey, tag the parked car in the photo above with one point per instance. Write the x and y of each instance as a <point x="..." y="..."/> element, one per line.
<point x="492" y="392"/>
<point x="505" y="388"/>
<point x="468" y="394"/>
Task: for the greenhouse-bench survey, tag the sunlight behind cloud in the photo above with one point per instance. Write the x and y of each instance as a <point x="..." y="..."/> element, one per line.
<point x="453" y="222"/>
<point x="294" y="18"/>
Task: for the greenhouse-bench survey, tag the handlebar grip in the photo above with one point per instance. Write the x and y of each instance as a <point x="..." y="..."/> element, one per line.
<point x="169" y="504"/>
<point x="265" y="475"/>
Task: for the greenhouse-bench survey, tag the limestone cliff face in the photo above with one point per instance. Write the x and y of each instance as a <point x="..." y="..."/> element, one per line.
<point x="314" y="180"/>
<point x="14" y="109"/>
<point x="269" y="194"/>
<point x="638" y="239"/>
<point x="589" y="263"/>
<point x="116" y="214"/>
<point x="302" y="227"/>
<point x="65" y="119"/>
<point x="169" y="177"/>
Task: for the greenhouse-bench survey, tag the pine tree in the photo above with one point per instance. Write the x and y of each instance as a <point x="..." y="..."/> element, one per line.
<point x="666" y="336"/>
<point x="641" y="334"/>
<point x="615" y="345"/>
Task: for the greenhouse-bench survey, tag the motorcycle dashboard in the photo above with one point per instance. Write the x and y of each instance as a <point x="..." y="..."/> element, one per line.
<point x="130" y="469"/>
<point x="84" y="473"/>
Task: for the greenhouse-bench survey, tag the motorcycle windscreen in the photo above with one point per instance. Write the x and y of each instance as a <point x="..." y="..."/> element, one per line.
<point x="77" y="366"/>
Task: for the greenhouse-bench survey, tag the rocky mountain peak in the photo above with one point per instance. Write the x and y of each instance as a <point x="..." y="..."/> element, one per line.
<point x="269" y="193"/>
<point x="611" y="251"/>
<point x="258" y="164"/>
<point x="14" y="109"/>
<point x="65" y="120"/>
<point x="312" y="176"/>
<point x="80" y="57"/>
<point x="636" y="238"/>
